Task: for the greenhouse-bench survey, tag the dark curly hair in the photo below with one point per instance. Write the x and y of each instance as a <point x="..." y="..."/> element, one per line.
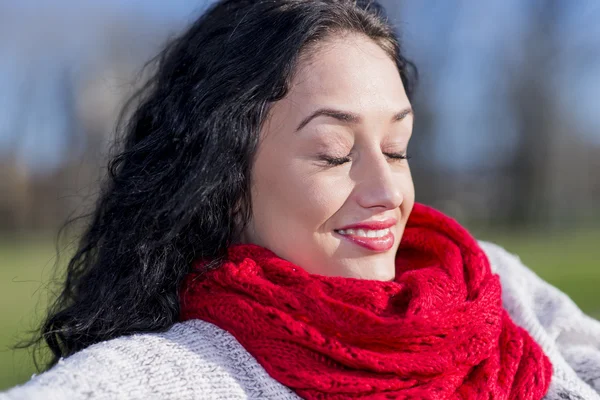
<point x="179" y="187"/>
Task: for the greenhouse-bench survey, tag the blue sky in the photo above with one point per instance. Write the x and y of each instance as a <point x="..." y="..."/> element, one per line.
<point x="463" y="49"/>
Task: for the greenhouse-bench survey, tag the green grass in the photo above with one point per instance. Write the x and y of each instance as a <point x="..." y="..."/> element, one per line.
<point x="26" y="267"/>
<point x="569" y="261"/>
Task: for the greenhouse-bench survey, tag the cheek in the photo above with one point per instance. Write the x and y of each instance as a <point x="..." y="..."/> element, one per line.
<point x="321" y="196"/>
<point x="290" y="194"/>
<point x="408" y="194"/>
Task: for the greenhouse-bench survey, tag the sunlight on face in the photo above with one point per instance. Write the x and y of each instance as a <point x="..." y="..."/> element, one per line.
<point x="330" y="189"/>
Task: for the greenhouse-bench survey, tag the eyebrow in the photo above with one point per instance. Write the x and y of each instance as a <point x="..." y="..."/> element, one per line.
<point x="347" y="117"/>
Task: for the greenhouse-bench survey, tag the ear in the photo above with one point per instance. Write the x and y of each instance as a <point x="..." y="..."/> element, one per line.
<point x="240" y="223"/>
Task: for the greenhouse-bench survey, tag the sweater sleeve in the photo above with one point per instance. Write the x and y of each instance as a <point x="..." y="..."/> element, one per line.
<point x="194" y="360"/>
<point x="102" y="371"/>
<point x="137" y="367"/>
<point x="570" y="338"/>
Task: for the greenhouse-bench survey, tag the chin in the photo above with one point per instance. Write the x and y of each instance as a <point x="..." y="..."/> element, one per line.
<point x="373" y="274"/>
<point x="384" y="276"/>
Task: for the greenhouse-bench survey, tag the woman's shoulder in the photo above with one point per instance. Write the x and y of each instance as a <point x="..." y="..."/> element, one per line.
<point x="192" y="360"/>
<point x="523" y="290"/>
<point x="567" y="335"/>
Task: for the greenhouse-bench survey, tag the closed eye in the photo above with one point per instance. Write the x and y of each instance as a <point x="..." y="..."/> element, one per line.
<point x="398" y="156"/>
<point x="335" y="161"/>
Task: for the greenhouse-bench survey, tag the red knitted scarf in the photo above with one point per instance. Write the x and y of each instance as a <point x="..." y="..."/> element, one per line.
<point x="437" y="332"/>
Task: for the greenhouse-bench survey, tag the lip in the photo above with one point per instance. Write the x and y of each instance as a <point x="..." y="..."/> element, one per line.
<point x="379" y="244"/>
<point x="373" y="225"/>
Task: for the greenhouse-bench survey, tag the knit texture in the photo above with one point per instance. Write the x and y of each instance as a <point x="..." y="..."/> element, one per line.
<point x="438" y="331"/>
<point x="196" y="360"/>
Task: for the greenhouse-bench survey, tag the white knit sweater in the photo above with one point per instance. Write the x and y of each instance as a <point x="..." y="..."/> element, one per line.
<point x="197" y="360"/>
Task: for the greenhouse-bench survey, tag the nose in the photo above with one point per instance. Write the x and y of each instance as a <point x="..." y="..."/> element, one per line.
<point x="378" y="184"/>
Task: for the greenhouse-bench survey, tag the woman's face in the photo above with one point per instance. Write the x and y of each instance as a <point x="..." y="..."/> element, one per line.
<point x="330" y="192"/>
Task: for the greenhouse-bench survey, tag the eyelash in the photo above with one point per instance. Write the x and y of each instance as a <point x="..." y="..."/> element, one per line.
<point x="335" y="161"/>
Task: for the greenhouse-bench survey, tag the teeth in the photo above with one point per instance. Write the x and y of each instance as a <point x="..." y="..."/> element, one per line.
<point x="370" y="233"/>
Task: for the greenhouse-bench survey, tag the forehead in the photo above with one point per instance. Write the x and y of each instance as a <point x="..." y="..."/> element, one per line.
<point x="351" y="71"/>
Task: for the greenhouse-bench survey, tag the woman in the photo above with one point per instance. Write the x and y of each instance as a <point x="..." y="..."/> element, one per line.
<point x="258" y="238"/>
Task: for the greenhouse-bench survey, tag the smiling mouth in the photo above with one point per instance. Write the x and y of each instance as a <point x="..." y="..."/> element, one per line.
<point x="370" y="233"/>
<point x="378" y="240"/>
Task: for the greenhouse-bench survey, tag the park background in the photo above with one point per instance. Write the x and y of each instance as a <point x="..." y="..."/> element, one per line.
<point x="507" y="135"/>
